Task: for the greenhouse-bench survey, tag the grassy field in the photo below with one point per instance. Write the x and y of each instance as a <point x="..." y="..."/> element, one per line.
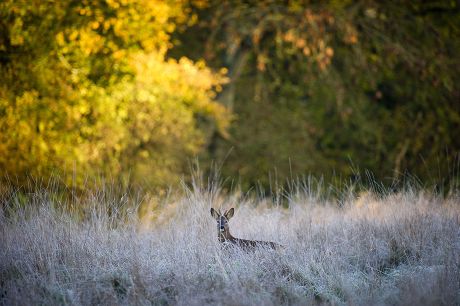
<point x="398" y="249"/>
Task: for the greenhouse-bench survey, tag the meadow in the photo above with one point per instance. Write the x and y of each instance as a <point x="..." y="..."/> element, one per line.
<point x="363" y="249"/>
<point x="262" y="92"/>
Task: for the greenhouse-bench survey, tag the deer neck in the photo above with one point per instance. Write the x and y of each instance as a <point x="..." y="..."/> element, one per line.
<point x="225" y="236"/>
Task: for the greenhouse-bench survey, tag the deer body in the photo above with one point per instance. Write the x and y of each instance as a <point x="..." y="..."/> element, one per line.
<point x="225" y="236"/>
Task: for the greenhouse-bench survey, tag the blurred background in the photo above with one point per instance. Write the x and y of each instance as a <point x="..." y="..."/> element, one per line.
<point x="266" y="90"/>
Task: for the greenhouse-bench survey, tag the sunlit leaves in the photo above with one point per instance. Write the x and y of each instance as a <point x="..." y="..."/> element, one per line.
<point x="86" y="87"/>
<point x="162" y="104"/>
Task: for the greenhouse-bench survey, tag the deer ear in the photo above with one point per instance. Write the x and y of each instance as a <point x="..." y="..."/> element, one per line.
<point x="214" y="213"/>
<point x="229" y="213"/>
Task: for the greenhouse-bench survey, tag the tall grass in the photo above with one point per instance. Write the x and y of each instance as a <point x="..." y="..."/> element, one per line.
<point x="399" y="249"/>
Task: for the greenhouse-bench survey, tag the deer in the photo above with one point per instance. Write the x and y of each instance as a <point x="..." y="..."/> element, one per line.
<point x="224" y="236"/>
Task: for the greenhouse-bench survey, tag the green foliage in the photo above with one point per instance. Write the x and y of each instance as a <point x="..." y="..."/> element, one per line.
<point x="336" y="88"/>
<point x="85" y="86"/>
<point x="125" y="88"/>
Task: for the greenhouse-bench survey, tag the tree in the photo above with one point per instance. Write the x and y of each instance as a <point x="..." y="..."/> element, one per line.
<point x="86" y="87"/>
<point x="331" y="88"/>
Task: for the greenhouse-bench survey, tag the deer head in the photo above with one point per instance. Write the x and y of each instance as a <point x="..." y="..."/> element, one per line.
<point x="222" y="222"/>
